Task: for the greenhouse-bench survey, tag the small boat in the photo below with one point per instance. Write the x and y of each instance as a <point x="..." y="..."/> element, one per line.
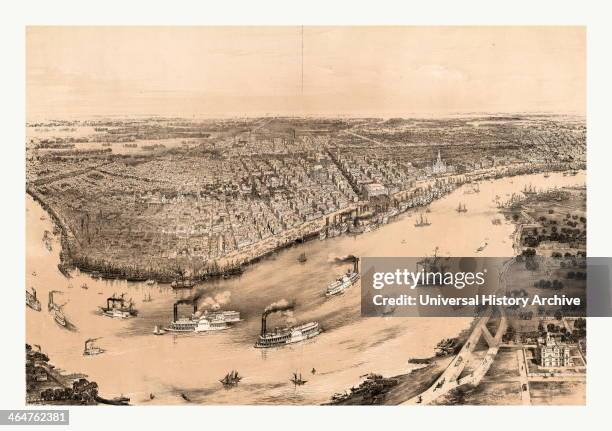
<point x="185" y="397"/>
<point x="182" y="284"/>
<point x="91" y="349"/>
<point x="70" y="286"/>
<point x="546" y="175"/>
<point x="231" y="379"/>
<point x="84" y="286"/>
<point x="151" y="396"/>
<point x="59" y="317"/>
<point x="297" y="379"/>
<point x="158" y="331"/>
<point x="461" y="208"/>
<point x="482" y="247"/>
<point x="32" y="301"/>
<point x="117" y="401"/>
<point x="422" y="222"/>
<point x="302" y="258"/>
<point x="34" y="273"/>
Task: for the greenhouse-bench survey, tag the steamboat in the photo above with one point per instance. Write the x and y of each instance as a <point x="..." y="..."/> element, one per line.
<point x="91" y="349"/>
<point x="208" y="321"/>
<point x="283" y="336"/>
<point x="289" y="335"/>
<point x="119" y="307"/>
<point x="32" y="301"/>
<point x="338" y="286"/>
<point x="56" y="309"/>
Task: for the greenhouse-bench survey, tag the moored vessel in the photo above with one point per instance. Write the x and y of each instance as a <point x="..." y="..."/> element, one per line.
<point x="422" y="222"/>
<point x="32" y="301"/>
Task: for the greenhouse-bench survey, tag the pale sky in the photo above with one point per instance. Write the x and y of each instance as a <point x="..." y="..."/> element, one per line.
<point x="353" y="71"/>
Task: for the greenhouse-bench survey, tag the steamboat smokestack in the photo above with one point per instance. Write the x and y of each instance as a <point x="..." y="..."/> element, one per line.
<point x="175" y="312"/>
<point x="263" y="323"/>
<point x="356" y="265"/>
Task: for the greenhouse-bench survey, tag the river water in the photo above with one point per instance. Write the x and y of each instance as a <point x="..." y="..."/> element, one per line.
<point x="137" y="363"/>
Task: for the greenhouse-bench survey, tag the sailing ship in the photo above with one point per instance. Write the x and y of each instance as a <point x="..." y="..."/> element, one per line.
<point x="84" y="286"/>
<point x="302" y="258"/>
<point x="297" y="379"/>
<point x="91" y="349"/>
<point x="147" y="298"/>
<point x="461" y="208"/>
<point x="158" y="331"/>
<point x="32" y="301"/>
<point x="231" y="379"/>
<point x="433" y="264"/>
<point x="422" y="222"/>
<point x="529" y="190"/>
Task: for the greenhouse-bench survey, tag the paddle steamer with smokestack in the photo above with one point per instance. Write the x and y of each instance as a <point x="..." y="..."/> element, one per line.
<point x="338" y="286"/>
<point x="119" y="307"/>
<point x="283" y="336"/>
<point x="207" y="321"/>
<point x="32" y="301"/>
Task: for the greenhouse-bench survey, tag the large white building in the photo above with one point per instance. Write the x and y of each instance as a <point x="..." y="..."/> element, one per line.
<point x="374" y="189"/>
<point x="552" y="353"/>
<point x="439" y="167"/>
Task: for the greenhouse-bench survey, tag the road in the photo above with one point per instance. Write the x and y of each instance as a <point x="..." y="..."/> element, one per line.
<point x="524" y="380"/>
<point x="450" y="377"/>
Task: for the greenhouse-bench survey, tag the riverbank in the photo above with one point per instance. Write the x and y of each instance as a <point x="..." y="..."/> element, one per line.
<point x="235" y="262"/>
<point x="406" y="386"/>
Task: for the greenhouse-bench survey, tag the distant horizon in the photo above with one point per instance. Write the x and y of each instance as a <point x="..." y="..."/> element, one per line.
<point x="357" y="72"/>
<point x="407" y="116"/>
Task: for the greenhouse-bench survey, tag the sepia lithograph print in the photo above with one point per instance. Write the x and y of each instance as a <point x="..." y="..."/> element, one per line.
<point x="200" y="201"/>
